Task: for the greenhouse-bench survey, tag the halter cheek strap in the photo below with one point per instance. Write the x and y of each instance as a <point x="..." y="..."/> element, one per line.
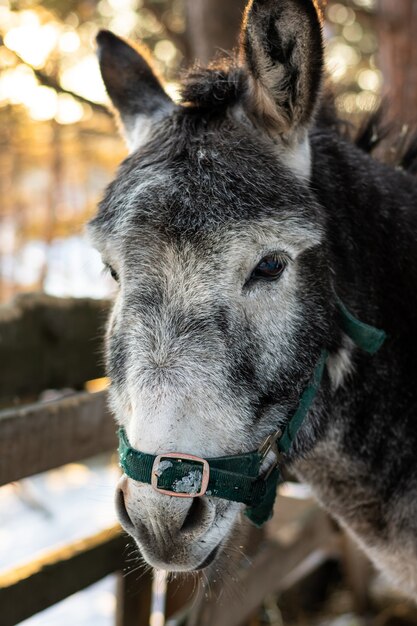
<point x="238" y="477"/>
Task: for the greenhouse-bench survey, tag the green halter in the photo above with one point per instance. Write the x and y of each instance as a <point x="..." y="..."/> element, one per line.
<point x="238" y="478"/>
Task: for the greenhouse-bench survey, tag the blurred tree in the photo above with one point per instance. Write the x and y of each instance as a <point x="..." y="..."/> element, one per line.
<point x="213" y="25"/>
<point x="397" y="25"/>
<point x="58" y="146"/>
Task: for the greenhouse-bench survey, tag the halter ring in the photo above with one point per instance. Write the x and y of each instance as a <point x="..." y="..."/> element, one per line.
<point x="270" y="443"/>
<point x="177" y="456"/>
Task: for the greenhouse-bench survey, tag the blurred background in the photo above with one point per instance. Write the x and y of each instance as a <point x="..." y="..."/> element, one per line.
<point x="60" y="147"/>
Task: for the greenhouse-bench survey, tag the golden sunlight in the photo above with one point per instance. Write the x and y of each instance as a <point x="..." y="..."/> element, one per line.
<point x="84" y="78"/>
<point x="32" y="41"/>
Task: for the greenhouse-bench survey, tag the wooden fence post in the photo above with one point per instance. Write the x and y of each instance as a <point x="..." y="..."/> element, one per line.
<point x="213" y="25"/>
<point x="397" y="23"/>
<point x="134" y="595"/>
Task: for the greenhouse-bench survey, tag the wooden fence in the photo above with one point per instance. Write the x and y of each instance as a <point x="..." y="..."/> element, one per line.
<point x="50" y="343"/>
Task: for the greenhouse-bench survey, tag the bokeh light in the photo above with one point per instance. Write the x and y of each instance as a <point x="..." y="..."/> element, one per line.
<point x="60" y="149"/>
<point x="350" y="58"/>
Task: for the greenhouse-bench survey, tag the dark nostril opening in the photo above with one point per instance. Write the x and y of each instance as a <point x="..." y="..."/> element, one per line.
<point x="194" y="515"/>
<point x="124" y="518"/>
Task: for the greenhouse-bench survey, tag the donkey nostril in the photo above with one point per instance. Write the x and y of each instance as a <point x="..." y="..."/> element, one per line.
<point x="124" y="518"/>
<point x="194" y="515"/>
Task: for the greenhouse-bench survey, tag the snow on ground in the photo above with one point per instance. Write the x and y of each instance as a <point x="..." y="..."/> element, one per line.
<point x="92" y="607"/>
<point x="49" y="510"/>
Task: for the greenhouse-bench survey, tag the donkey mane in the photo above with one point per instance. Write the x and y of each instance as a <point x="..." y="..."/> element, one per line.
<point x="389" y="142"/>
<point x="222" y="85"/>
<point x="212" y="88"/>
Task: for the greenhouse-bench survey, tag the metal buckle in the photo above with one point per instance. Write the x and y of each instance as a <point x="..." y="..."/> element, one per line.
<point x="271" y="445"/>
<point x="205" y="474"/>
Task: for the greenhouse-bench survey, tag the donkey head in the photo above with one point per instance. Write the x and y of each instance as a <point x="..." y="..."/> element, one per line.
<point x="215" y="238"/>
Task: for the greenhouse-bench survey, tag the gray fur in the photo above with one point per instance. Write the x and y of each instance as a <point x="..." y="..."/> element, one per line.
<point x="208" y="360"/>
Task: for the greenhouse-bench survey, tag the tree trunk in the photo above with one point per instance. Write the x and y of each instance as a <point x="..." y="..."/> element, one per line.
<point x="213" y="25"/>
<point x="397" y="25"/>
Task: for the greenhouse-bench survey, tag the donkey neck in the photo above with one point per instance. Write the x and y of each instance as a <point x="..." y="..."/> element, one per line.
<point x="372" y="231"/>
<point x="366" y="450"/>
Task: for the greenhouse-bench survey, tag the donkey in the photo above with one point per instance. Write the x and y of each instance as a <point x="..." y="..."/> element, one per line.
<point x="236" y="226"/>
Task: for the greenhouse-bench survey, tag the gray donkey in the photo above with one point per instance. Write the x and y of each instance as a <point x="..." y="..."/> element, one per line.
<point x="236" y="228"/>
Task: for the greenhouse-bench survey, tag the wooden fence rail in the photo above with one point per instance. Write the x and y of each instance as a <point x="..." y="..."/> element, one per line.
<point x="37" y="585"/>
<point x="39" y="437"/>
<point x="51" y="343"/>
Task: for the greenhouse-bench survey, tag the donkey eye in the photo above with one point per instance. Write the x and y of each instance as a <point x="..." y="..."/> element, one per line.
<point x="113" y="273"/>
<point x="269" y="268"/>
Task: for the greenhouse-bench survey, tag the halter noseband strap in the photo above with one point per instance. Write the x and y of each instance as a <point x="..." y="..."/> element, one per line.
<point x="238" y="477"/>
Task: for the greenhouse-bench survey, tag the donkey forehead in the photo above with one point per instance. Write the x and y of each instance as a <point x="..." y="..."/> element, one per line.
<point x="203" y="187"/>
<point x="170" y="233"/>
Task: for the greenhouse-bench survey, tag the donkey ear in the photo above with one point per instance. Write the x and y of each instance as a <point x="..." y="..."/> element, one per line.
<point x="281" y="45"/>
<point x="133" y="87"/>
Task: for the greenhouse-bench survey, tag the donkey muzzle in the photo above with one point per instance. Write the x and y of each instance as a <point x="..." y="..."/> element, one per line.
<point x="169" y="531"/>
